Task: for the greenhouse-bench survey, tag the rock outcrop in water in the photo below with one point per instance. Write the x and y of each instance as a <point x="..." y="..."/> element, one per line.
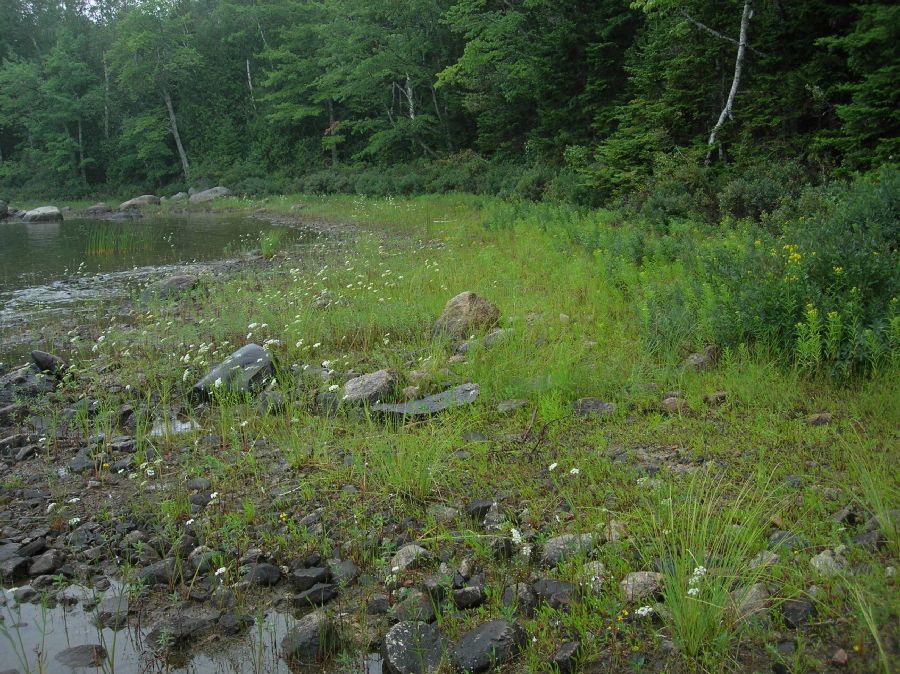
<point x="43" y="214"/>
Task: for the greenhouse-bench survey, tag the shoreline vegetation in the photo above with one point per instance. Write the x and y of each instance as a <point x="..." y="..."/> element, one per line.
<point x="675" y="448"/>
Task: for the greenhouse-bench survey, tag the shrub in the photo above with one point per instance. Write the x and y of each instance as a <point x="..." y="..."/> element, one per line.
<point x="760" y="188"/>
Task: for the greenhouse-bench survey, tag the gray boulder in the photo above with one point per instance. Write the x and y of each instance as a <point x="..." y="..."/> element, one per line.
<point x="97" y="209"/>
<point x="243" y="372"/>
<point x="465" y="314"/>
<point x="181" y="196"/>
<point x="370" y="388"/>
<point x="210" y="194"/>
<point x="137" y="202"/>
<point x="413" y="648"/>
<point x="43" y="214"/>
<point x="565" y="547"/>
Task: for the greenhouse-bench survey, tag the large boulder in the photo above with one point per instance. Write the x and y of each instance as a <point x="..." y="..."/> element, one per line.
<point x="488" y="645"/>
<point x="210" y="194"/>
<point x="245" y="371"/>
<point x="413" y="648"/>
<point x="180" y="196"/>
<point x="464" y="314"/>
<point x="43" y="214"/>
<point x="311" y="639"/>
<point x="137" y="202"/>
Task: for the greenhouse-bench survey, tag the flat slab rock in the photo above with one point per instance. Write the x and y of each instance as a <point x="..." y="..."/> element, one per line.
<point x="487" y="645"/>
<point x="458" y="396"/>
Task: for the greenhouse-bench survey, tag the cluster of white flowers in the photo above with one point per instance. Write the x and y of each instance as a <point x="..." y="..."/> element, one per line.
<point x="694" y="582"/>
<point x="644" y="611"/>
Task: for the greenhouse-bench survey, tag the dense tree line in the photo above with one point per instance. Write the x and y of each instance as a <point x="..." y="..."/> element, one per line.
<point x="591" y="98"/>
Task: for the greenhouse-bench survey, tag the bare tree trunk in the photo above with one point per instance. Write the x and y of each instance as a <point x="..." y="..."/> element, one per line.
<point x="81" y="153"/>
<point x="736" y="81"/>
<point x="250" y="85"/>
<point x="331" y="122"/>
<point x="105" y="98"/>
<point x="181" y="153"/>
<point x="408" y="90"/>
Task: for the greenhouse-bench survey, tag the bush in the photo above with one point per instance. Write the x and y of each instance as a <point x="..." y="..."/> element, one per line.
<point x="761" y="188"/>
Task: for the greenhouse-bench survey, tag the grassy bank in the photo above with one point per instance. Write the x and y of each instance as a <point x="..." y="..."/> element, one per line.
<point x="694" y="473"/>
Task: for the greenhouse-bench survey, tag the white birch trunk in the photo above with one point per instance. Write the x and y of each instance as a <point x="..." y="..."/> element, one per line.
<point x="181" y="153"/>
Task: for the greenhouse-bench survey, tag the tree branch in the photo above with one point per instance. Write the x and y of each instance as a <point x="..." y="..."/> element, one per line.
<point x="703" y="26"/>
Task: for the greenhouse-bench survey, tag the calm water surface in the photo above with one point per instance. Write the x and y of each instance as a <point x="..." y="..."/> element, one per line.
<point x="59" y="267"/>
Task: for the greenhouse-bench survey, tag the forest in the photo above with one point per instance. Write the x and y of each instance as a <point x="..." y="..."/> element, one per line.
<point x="591" y="102"/>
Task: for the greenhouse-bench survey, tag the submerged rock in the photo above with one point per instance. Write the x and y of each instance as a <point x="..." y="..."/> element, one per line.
<point x="311" y="639"/>
<point x="88" y="655"/>
<point x="244" y="371"/>
<point x="455" y="397"/>
<point x="464" y="314"/>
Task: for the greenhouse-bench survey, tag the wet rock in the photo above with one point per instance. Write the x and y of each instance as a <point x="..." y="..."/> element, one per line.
<point x="592" y="407"/>
<point x="413" y="648"/>
<point x="490" y="644"/>
<point x="458" y="396"/>
<point x="158" y="573"/>
<point x="565" y="547"/>
<point x="47" y="362"/>
<point x="43" y="214"/>
<point x="88" y="655"/>
<point x="318" y="595"/>
<point x="749" y="601"/>
<point x="797" y="611"/>
<point x="263" y="574"/>
<point x="703" y="360"/>
<point x="210" y="194"/>
<point x="464" y="314"/>
<point x="409" y="557"/>
<point x="820" y="419"/>
<point x="138" y="202"/>
<point x="47" y="563"/>
<point x="640" y="585"/>
<point x="521" y="598"/>
<point x="311" y="639"/>
<point x="244" y="371"/>
<point x="303" y="579"/>
<point x="177" y="631"/>
<point x="231" y="624"/>
<point x="370" y="388"/>
<point x="171" y="286"/>
<point x="566" y="656"/>
<point x="113" y="611"/>
<point x="14" y="568"/>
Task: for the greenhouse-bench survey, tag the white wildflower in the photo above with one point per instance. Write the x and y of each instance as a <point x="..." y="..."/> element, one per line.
<point x="220" y="571"/>
<point x="552" y="467"/>
<point x="218" y="382"/>
<point x="644" y="611"/>
<point x="74" y="521"/>
<point x="574" y="471"/>
<point x="693" y="592"/>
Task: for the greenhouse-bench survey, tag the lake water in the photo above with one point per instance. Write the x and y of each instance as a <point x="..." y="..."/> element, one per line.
<point x="63" y="267"/>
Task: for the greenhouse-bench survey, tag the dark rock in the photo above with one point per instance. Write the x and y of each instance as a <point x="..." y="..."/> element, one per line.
<point x="88" y="655"/>
<point x="870" y="540"/>
<point x="318" y="595"/>
<point x="343" y="572"/>
<point x="413" y="648"/>
<point x="14" y="568"/>
<point x="177" y="631"/>
<point x="159" y="573"/>
<point x="458" y="396"/>
<point x="82" y="462"/>
<point x="97" y="209"/>
<point x="262" y="574"/>
<point x="565" y="547"/>
<point x="784" y="539"/>
<point x="566" y="656"/>
<point x="548" y="588"/>
<point x="243" y="372"/>
<point x="469" y="597"/>
<point x="271" y="402"/>
<point x="232" y="625"/>
<point x="303" y="579"/>
<point x="592" y="407"/>
<point x="703" y="360"/>
<point x="521" y="598"/>
<point x="48" y="362"/>
<point x="47" y="563"/>
<point x="199" y="484"/>
<point x="488" y="645"/>
<point x="478" y="508"/>
<point x="416" y="606"/>
<point x="311" y="639"/>
<point x="410" y="556"/>
<point x="797" y="611"/>
<point x="378" y="605"/>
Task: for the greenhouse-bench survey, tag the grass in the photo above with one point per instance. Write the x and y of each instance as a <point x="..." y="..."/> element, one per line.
<point x="116" y="238"/>
<point x="588" y="314"/>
